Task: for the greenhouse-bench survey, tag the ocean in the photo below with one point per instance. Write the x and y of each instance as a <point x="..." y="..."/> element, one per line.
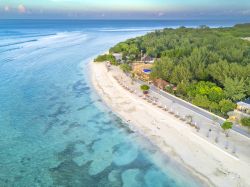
<point x="55" y="130"/>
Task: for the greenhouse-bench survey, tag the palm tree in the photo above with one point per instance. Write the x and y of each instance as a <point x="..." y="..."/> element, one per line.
<point x="226" y="126"/>
<point x="145" y="88"/>
<point x="245" y="122"/>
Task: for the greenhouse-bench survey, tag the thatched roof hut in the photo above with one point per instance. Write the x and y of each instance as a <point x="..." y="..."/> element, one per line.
<point x="160" y="83"/>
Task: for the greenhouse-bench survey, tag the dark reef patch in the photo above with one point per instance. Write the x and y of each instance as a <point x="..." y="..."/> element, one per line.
<point x="65" y="122"/>
<point x="53" y="98"/>
<point x="50" y="124"/>
<point x="80" y="88"/>
<point x="90" y="145"/>
<point x="93" y="121"/>
<point x="68" y="173"/>
<point x="70" y="127"/>
<point x="60" y="111"/>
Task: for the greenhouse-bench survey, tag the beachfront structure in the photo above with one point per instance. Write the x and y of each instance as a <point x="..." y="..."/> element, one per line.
<point x="242" y="110"/>
<point x="118" y="57"/>
<point x="160" y="83"/>
<point x="147" y="59"/>
<point x="244" y="106"/>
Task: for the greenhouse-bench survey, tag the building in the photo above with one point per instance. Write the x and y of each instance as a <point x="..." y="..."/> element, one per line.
<point x="244" y="106"/>
<point x="242" y="110"/>
<point x="160" y="83"/>
<point x="147" y="59"/>
<point x="118" y="57"/>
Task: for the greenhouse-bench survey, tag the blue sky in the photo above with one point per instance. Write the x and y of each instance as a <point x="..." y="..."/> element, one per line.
<point x="125" y="9"/>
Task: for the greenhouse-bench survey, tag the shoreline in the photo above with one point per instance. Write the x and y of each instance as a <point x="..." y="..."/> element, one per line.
<point x="176" y="162"/>
<point x="193" y="155"/>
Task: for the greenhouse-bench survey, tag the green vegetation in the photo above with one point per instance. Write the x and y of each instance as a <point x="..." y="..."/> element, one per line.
<point x="126" y="68"/>
<point x="226" y="106"/>
<point x="245" y="122"/>
<point x="207" y="95"/>
<point x="210" y="67"/>
<point x="240" y="30"/>
<point x="226" y="126"/>
<point x="106" y="57"/>
<point x="145" y="88"/>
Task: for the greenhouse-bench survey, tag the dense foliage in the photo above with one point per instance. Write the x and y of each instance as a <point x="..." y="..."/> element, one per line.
<point x="144" y="87"/>
<point x="125" y="68"/>
<point x="245" y="122"/>
<point x="106" y="57"/>
<point x="227" y="125"/>
<point x="210" y="67"/>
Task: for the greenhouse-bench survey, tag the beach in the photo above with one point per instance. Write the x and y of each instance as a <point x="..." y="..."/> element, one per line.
<point x="176" y="139"/>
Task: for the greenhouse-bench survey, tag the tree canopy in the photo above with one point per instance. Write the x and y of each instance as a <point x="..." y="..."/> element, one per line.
<point x="145" y="87"/>
<point x="209" y="66"/>
<point x="245" y="122"/>
<point x="106" y="57"/>
<point x="227" y="125"/>
<point x="125" y="68"/>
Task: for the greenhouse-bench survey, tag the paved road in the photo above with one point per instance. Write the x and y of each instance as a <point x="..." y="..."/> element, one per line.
<point x="195" y="109"/>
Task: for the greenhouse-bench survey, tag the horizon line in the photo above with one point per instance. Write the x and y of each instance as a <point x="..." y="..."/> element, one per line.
<point x="128" y="19"/>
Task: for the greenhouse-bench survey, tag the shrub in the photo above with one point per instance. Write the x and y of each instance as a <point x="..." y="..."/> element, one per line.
<point x="145" y="88"/>
<point x="169" y="88"/>
<point x="106" y="57"/>
<point x="226" y="106"/>
<point x="245" y="122"/>
<point x="125" y="68"/>
<point x="227" y="125"/>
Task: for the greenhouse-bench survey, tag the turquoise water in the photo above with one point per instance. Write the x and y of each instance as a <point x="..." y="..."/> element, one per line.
<point x="55" y="131"/>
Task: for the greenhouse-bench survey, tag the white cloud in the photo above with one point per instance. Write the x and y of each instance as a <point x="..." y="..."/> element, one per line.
<point x="160" y="14"/>
<point x="245" y="12"/>
<point x="21" y="8"/>
<point x="6" y="8"/>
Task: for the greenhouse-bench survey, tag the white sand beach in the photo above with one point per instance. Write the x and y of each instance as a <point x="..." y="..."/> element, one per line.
<point x="175" y="138"/>
<point x="248" y="38"/>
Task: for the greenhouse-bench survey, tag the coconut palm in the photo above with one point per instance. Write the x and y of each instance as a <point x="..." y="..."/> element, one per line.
<point x="226" y="126"/>
<point x="145" y="88"/>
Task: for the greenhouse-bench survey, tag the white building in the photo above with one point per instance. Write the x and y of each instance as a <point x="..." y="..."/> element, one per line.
<point x="147" y="60"/>
<point x="242" y="110"/>
<point x="118" y="57"/>
<point x="244" y="106"/>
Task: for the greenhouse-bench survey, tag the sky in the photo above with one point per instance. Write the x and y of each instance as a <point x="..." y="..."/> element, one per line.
<point x="125" y="9"/>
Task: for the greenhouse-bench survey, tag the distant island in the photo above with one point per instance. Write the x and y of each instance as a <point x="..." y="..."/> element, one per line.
<point x="208" y="67"/>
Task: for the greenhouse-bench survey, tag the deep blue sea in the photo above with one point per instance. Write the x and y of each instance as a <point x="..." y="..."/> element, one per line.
<point x="54" y="129"/>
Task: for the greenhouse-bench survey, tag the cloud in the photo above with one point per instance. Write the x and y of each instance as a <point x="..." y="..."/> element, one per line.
<point x="245" y="12"/>
<point x="160" y="14"/>
<point x="6" y="8"/>
<point x="21" y="8"/>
